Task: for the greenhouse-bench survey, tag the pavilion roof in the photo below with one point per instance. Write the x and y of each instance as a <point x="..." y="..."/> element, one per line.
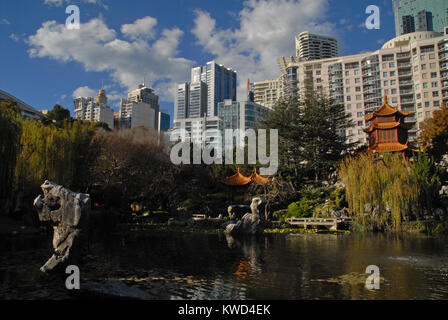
<point x="385" y="110"/>
<point x="393" y="147"/>
<point x="386" y="126"/>
<point x="240" y="180"/>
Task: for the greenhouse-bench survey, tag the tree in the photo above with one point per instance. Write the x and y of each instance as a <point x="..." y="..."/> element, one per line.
<point x="58" y="115"/>
<point x="311" y="136"/>
<point x="434" y="136"/>
<point x="10" y="131"/>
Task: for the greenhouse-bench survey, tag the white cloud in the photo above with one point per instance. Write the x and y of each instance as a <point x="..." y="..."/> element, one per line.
<point x="266" y="31"/>
<point x="140" y="28"/>
<point x="14" y="37"/>
<point x="97" y="48"/>
<point x="84" y="92"/>
<point x="4" y="21"/>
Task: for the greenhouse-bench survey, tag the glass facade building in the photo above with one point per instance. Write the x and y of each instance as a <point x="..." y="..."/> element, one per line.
<point x="420" y="15"/>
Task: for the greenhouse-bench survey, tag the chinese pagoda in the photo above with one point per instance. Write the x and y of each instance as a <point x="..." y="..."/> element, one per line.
<point x="239" y="180"/>
<point x="388" y="132"/>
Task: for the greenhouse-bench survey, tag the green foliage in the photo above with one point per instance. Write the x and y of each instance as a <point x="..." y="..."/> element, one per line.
<point x="309" y="143"/>
<point x="62" y="155"/>
<point x="280" y="215"/>
<point x="382" y="192"/>
<point x="58" y="116"/>
<point x="10" y="131"/>
<point x="300" y="209"/>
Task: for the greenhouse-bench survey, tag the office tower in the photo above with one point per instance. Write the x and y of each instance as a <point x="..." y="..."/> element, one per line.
<point x="164" y="121"/>
<point x="141" y="108"/>
<point x="181" y="100"/>
<point x="311" y="46"/>
<point x="216" y="81"/>
<point x="269" y="91"/>
<point x="197" y="100"/>
<point x="242" y="115"/>
<point x="97" y="110"/>
<point x="411" y="70"/>
<point x="420" y="15"/>
<point x="221" y="84"/>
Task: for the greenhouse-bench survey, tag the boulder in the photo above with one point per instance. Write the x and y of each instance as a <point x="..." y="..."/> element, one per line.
<point x="251" y="223"/>
<point x="68" y="213"/>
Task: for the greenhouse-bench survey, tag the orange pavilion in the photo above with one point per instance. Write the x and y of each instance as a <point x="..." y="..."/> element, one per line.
<point x="388" y="132"/>
<point x="239" y="179"/>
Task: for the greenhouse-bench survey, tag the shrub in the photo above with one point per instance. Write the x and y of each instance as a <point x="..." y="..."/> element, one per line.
<point x="300" y="209"/>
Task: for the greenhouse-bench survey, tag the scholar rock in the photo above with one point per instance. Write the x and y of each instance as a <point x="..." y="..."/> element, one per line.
<point x="68" y="213"/>
<point x="251" y="223"/>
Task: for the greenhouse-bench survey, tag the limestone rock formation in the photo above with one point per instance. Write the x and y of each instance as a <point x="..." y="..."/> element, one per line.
<point x="251" y="223"/>
<point x="68" y="213"/>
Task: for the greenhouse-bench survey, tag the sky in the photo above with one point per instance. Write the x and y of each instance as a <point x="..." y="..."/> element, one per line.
<point x="121" y="43"/>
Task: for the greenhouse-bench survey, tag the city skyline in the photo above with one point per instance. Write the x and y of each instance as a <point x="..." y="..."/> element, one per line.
<point x="45" y="66"/>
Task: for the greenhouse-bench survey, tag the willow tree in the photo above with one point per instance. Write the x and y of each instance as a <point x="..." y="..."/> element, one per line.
<point x="384" y="191"/>
<point x="10" y="131"/>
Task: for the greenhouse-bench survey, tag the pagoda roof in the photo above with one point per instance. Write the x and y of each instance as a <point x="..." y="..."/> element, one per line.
<point x="386" y="126"/>
<point x="393" y="147"/>
<point x="237" y="180"/>
<point x="255" y="177"/>
<point x="385" y="110"/>
<point x="240" y="180"/>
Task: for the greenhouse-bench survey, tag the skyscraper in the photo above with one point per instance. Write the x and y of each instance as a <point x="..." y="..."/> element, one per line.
<point x="420" y="15"/>
<point x="221" y="84"/>
<point x="86" y="108"/>
<point x="181" y="100"/>
<point x="209" y="85"/>
<point x="141" y="108"/>
<point x="312" y="47"/>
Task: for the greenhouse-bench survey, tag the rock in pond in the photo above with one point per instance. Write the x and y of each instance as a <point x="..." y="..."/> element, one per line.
<point x="68" y="213"/>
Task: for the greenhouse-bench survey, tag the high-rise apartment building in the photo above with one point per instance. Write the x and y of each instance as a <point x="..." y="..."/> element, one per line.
<point x="269" y="91"/>
<point x="97" y="110"/>
<point x="420" y="15"/>
<point x="141" y="108"/>
<point x="312" y="47"/>
<point x="411" y="70"/>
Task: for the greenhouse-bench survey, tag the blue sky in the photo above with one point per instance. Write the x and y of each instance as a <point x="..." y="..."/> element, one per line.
<point x="121" y="42"/>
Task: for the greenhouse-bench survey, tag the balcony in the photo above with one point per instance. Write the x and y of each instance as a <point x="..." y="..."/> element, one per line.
<point x="406" y="83"/>
<point x="406" y="91"/>
<point x="404" y="65"/>
<point x="405" y="74"/>
<point x="403" y="55"/>
<point x="407" y="100"/>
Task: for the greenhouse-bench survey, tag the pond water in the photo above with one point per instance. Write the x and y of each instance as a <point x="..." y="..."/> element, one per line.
<point x="213" y="266"/>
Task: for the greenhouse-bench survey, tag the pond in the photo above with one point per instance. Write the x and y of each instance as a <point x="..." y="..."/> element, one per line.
<point x="213" y="266"/>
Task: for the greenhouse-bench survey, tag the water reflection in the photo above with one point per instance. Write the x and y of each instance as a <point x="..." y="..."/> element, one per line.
<point x="200" y="266"/>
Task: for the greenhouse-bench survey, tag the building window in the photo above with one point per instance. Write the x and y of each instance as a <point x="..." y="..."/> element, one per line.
<point x="384" y="74"/>
<point x="419" y="95"/>
<point x="426" y="104"/>
<point x="436" y="103"/>
<point x="435" y="94"/>
<point x="357" y="80"/>
<point x="392" y="73"/>
<point x="433" y="74"/>
<point x="386" y="83"/>
<point x="423" y="66"/>
<point x="435" y="84"/>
